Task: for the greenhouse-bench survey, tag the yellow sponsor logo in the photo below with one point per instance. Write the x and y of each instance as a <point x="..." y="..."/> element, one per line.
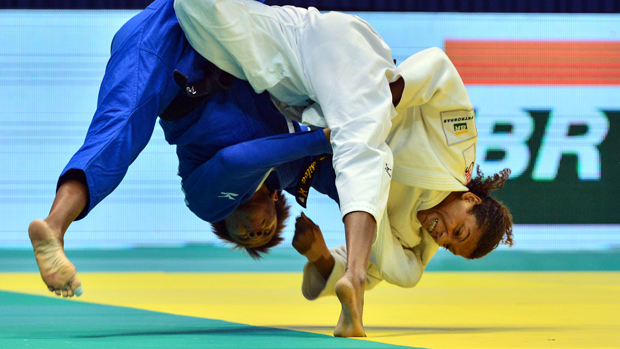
<point x="460" y="128"/>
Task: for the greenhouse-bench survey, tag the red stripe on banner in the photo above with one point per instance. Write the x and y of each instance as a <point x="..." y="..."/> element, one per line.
<point x="536" y="62"/>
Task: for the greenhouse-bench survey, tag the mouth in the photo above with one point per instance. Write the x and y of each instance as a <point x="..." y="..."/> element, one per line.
<point x="432" y="226"/>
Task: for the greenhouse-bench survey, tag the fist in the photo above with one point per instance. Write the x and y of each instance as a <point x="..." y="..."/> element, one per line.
<point x="308" y="236"/>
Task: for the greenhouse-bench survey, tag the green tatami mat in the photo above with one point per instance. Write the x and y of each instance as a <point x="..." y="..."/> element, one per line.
<point x="43" y="322"/>
<point x="207" y="258"/>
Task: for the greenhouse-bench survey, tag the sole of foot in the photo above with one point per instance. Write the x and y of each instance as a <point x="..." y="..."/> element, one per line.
<point x="57" y="272"/>
<point x="350" y="321"/>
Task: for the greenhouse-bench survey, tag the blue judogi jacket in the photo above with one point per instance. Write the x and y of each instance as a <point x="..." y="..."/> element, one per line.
<point x="218" y="143"/>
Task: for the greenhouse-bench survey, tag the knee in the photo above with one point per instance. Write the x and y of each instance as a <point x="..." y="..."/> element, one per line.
<point x="438" y="55"/>
<point x="180" y="7"/>
<point x="197" y="9"/>
<point x="438" y="59"/>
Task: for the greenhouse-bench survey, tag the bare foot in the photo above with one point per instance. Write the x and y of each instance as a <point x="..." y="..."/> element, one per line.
<point x="351" y="298"/>
<point x="58" y="273"/>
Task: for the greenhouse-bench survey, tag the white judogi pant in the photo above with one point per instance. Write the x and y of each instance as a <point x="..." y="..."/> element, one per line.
<point x="335" y="63"/>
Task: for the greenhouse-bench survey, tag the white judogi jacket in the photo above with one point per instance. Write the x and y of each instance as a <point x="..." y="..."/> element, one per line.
<point x="433" y="140"/>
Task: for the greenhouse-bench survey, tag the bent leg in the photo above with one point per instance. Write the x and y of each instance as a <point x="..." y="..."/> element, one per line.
<point x="47" y="238"/>
<point x="245" y="38"/>
<point x="359" y="229"/>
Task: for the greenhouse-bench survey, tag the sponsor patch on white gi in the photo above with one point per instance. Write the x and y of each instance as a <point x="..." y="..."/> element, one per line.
<point x="458" y="125"/>
<point x="469" y="155"/>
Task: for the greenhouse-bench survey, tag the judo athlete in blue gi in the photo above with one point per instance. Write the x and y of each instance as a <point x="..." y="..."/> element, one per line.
<point x="226" y="170"/>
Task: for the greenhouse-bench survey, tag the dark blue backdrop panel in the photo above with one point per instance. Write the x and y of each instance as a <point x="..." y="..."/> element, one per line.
<point x="527" y="6"/>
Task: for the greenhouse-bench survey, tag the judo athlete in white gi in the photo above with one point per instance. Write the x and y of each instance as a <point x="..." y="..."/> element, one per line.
<point x="433" y="199"/>
<point x="339" y="68"/>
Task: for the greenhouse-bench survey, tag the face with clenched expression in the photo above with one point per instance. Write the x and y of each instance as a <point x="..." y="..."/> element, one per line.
<point x="451" y="223"/>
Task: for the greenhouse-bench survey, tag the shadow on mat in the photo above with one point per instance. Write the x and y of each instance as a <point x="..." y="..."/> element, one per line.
<point x="302" y="331"/>
<point x="407" y="331"/>
<point x="233" y="331"/>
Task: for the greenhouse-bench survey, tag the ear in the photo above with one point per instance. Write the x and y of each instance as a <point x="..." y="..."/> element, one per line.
<point x="273" y="195"/>
<point x="472" y="198"/>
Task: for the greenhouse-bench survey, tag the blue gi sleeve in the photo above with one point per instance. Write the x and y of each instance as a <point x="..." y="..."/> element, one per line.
<point x="230" y="178"/>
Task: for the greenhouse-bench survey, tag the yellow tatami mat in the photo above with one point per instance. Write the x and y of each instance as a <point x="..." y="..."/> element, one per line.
<point x="446" y="310"/>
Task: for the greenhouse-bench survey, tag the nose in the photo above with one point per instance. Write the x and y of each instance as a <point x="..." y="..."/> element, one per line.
<point x="257" y="235"/>
<point x="442" y="238"/>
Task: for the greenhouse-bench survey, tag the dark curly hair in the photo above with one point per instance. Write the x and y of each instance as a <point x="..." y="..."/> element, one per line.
<point x="492" y="216"/>
<point x="282" y="214"/>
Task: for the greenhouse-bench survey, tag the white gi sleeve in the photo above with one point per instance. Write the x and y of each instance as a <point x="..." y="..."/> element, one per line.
<point x="315" y="286"/>
<point x="349" y="68"/>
